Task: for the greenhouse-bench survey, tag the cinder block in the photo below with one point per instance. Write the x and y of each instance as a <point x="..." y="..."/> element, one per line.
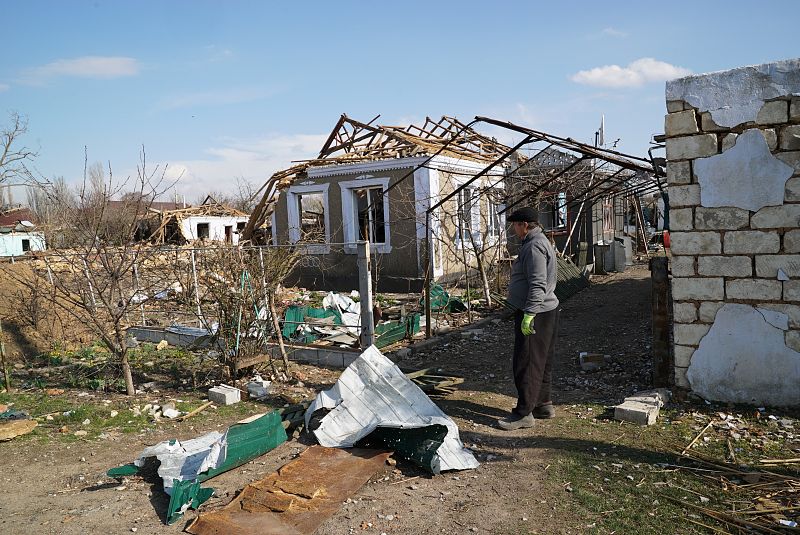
<point x="636" y="412"/>
<point x="224" y="395"/>
<point x="725" y="266"/>
<point x="696" y="243"/>
<point x="674" y="106"/>
<point x="708" y="311"/>
<point x="680" y="123"/>
<point x="689" y="334"/>
<point x="684" y="312"/>
<point x="771" y="137"/>
<point x="701" y="289"/>
<point x="751" y="242"/>
<point x="679" y="173"/>
<point x="683" y="356"/>
<point x="794" y="110"/>
<point x="708" y="125"/>
<point x="682" y="266"/>
<point x="790" y="137"/>
<point x="754" y="289"/>
<point x="784" y="216"/>
<point x="688" y="195"/>
<point x="681" y="219"/>
<point x="729" y="141"/>
<point x="690" y="147"/>
<point x="727" y="218"/>
<point x="775" y="112"/>
<point x="768" y="265"/>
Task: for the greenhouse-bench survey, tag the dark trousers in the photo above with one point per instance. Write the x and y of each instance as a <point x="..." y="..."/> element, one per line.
<point x="533" y="360"/>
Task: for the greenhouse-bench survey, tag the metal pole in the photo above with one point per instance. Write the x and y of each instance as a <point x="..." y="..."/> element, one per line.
<point x="428" y="273"/>
<point x="367" y="337"/>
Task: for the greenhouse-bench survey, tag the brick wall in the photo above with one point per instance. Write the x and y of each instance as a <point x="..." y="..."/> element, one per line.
<point x="733" y="151"/>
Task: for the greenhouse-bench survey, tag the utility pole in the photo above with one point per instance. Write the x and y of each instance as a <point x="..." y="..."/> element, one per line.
<point x="367" y="336"/>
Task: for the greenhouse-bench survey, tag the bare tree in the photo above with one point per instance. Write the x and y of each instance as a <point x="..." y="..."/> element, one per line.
<point x="94" y="281"/>
<point x="13" y="155"/>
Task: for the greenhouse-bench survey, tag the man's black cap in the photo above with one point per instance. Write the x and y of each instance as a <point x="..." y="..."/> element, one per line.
<point x="528" y="215"/>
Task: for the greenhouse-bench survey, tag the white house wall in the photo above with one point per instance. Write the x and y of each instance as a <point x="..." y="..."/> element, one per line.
<point x="11" y="243"/>
<point x="216" y="227"/>
<point x="733" y="151"/>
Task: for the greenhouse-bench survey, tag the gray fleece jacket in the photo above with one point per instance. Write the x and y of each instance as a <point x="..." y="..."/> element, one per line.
<point x="533" y="275"/>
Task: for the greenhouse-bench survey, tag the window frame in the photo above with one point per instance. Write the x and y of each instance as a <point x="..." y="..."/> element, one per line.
<point x="474" y="218"/>
<point x="293" y="217"/>
<point x="351" y="235"/>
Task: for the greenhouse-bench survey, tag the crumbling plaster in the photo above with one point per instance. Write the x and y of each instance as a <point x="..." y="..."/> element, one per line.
<point x="745" y="176"/>
<point x="724" y="368"/>
<point x="735" y="97"/>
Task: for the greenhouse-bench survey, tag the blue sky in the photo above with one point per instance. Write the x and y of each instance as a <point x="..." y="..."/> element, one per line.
<point x="220" y="90"/>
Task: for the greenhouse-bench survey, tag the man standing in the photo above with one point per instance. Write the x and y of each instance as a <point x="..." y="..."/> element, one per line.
<point x="531" y="291"/>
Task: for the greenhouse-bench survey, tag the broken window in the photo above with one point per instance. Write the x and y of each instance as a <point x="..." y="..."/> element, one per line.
<point x="497" y="222"/>
<point x="203" y="231"/>
<point x="311" y="207"/>
<point x="228" y="233"/>
<point x="369" y="214"/>
<point x="26" y="245"/>
<point x="467" y="215"/>
<point x="553" y="212"/>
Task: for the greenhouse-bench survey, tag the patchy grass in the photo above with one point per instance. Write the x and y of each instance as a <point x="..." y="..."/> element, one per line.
<point x="621" y="478"/>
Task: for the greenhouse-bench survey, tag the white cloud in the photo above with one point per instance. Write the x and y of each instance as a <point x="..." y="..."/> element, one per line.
<point x="613" y="32"/>
<point x="214" y="98"/>
<point x="83" y="67"/>
<point x="253" y="159"/>
<point x="637" y="73"/>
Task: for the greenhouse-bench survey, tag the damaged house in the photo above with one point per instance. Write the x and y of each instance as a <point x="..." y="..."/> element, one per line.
<point x="18" y="234"/>
<point x="367" y="183"/>
<point x="211" y="221"/>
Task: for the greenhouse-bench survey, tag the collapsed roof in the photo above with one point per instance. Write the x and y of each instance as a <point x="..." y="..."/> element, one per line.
<point x="164" y="218"/>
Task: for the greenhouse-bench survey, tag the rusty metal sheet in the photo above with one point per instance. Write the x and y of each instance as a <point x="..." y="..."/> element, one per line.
<point x="297" y="498"/>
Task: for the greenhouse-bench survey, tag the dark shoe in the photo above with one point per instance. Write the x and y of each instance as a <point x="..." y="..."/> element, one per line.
<point x="544" y="412"/>
<point x="516" y="422"/>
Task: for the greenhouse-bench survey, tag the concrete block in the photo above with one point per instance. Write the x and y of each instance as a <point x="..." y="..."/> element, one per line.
<point x="224" y="395"/>
<point x="794" y="110"/>
<point x="681" y="123"/>
<point x="729" y="141"/>
<point x="684" y="312"/>
<point x="708" y="125"/>
<point x="790" y="137"/>
<point x="636" y="412"/>
<point x="751" y="242"/>
<point x="791" y="242"/>
<point x="674" y="106"/>
<point x="792" y="340"/>
<point x="720" y="218"/>
<point x="689" y="334"/>
<point x="681" y="380"/>
<point x="708" y="311"/>
<point x="791" y="290"/>
<point x="681" y="219"/>
<point x="784" y="216"/>
<point x="682" y="266"/>
<point x="725" y="266"/>
<point x="699" y="289"/>
<point x="684" y="195"/>
<point x="767" y="266"/>
<point x="754" y="289"/>
<point x="771" y="137"/>
<point x="696" y="243"/>
<point x="690" y="147"/>
<point x="679" y="173"/>
<point x="775" y="112"/>
<point x="683" y="356"/>
<point x="791" y="158"/>
<point x="792" y="192"/>
<point x="791" y="311"/>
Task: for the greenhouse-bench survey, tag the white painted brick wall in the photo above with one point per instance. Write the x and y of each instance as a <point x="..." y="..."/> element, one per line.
<point x="700" y="289"/>
<point x="774" y="112"/>
<point x="691" y="147"/>
<point x="684" y="195"/>
<point x="680" y="123"/>
<point x="768" y="265"/>
<point x="696" y="243"/>
<point x="683" y="356"/>
<point x="784" y="216"/>
<point x="708" y="311"/>
<point x="793" y="311"/>
<point x="681" y="381"/>
<point x="720" y="218"/>
<point x="754" y="289"/>
<point x="725" y="266"/>
<point x="751" y="242"/>
<point x="684" y="312"/>
<point x="681" y="219"/>
<point x="679" y="173"/>
<point x="683" y="266"/>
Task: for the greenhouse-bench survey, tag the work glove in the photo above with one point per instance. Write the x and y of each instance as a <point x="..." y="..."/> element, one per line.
<point x="527" y="324"/>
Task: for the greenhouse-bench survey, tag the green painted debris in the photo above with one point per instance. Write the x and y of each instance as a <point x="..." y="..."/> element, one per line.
<point x="243" y="442"/>
<point x="418" y="444"/>
<point x="296" y="315"/>
<point x="441" y="301"/>
<point x="389" y="332"/>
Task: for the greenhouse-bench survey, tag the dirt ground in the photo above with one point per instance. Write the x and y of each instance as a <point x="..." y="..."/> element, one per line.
<point x="60" y="487"/>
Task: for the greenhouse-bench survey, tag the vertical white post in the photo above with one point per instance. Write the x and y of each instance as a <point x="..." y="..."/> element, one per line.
<point x="365" y="291"/>
<point x="136" y="290"/>
<point x="196" y="291"/>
